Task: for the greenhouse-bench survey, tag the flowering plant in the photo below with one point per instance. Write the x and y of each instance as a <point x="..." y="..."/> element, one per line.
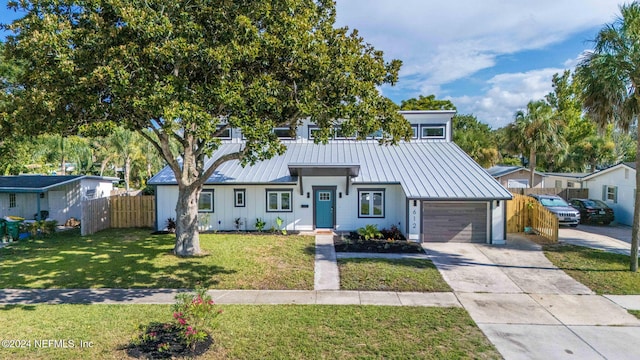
<point x="194" y="313"/>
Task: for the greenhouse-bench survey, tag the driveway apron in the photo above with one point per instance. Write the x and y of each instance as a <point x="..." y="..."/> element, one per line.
<point x="528" y="308"/>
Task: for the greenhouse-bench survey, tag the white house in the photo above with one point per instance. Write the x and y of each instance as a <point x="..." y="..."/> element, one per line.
<point x="564" y="180"/>
<point x="428" y="187"/>
<point x="56" y="197"/>
<point x="616" y="186"/>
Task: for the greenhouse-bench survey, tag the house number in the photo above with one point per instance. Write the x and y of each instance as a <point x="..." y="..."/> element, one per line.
<point x="413" y="225"/>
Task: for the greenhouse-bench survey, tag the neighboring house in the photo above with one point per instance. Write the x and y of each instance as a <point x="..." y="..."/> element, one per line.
<point x="564" y="180"/>
<point x="57" y="197"/>
<point x="515" y="176"/>
<point x="616" y="186"/>
<point x="428" y="187"/>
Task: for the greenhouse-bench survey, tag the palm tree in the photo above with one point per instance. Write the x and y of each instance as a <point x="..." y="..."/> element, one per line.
<point x="609" y="77"/>
<point x="536" y="131"/>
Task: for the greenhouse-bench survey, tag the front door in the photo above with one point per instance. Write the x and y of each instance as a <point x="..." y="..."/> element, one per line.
<point x="324" y="208"/>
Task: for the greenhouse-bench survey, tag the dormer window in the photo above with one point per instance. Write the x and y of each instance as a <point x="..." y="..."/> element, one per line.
<point x="225" y="134"/>
<point x="283" y="133"/>
<point x="433" y="132"/>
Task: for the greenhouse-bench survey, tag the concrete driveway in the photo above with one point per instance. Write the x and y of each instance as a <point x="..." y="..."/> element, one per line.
<point x="613" y="238"/>
<point x="528" y="308"/>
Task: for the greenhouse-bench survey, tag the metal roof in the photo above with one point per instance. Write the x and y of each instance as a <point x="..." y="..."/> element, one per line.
<point x="40" y="183"/>
<point x="502" y="170"/>
<point x="425" y="170"/>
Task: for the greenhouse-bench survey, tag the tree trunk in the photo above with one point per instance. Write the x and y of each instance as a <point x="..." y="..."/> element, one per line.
<point x="633" y="266"/>
<point x="127" y="170"/>
<point x="187" y="235"/>
<point x="532" y="167"/>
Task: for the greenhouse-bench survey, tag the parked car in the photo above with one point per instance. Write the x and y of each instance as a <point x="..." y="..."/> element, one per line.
<point x="593" y="211"/>
<point x="566" y="214"/>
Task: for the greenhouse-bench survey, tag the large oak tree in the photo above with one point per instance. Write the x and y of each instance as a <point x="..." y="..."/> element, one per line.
<point x="188" y="70"/>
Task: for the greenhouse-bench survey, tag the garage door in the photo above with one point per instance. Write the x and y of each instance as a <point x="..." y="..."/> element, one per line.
<point x="455" y="222"/>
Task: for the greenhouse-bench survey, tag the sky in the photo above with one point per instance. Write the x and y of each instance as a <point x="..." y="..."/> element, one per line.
<point x="489" y="57"/>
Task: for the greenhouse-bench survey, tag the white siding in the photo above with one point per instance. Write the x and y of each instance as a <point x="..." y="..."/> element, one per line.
<point x="300" y="219"/>
<point x="497" y="222"/>
<point x="623" y="207"/>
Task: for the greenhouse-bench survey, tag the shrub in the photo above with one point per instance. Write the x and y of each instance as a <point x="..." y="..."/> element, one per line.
<point x="188" y="335"/>
<point x="369" y="232"/>
<point x="393" y="233"/>
<point x="260" y="224"/>
<point x="171" y="225"/>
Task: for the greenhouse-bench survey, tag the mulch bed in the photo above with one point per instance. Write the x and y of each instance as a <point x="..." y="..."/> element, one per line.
<point x="157" y="334"/>
<point x="357" y="244"/>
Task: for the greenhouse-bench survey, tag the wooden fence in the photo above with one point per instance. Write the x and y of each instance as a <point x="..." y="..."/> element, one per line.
<point x="523" y="211"/>
<point x="117" y="212"/>
<point x="133" y="211"/>
<point x="95" y="216"/>
<point x="565" y="193"/>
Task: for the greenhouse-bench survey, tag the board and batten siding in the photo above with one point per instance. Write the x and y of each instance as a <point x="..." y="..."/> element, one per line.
<point x="454" y="221"/>
<point x="299" y="219"/>
<point x="624" y="179"/>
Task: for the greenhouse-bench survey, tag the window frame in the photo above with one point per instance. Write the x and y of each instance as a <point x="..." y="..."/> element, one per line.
<point x="279" y="203"/>
<point x="237" y="192"/>
<point x="288" y="133"/>
<point x="431" y="127"/>
<point x="371" y="203"/>
<point x="611" y="194"/>
<point x="13" y="202"/>
<point x="212" y="202"/>
<point x="224" y="137"/>
<point x="416" y="132"/>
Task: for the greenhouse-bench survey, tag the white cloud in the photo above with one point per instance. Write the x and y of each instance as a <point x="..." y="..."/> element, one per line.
<point x="441" y="42"/>
<point x="507" y="94"/>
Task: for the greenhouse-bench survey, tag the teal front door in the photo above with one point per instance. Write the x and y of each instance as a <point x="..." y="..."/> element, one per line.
<point x="324" y="208"/>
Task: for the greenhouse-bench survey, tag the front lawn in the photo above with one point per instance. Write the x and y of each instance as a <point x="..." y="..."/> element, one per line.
<point x="255" y="332"/>
<point x="133" y="258"/>
<point x="390" y="275"/>
<point x="602" y="272"/>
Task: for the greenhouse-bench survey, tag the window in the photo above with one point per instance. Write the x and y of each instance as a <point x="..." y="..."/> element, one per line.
<point x="375" y="135"/>
<point x="371" y="203"/>
<point x="91" y="193"/>
<point x="312" y="132"/>
<point x="12" y="200"/>
<point x="610" y="193"/>
<point x="284" y="133"/>
<point x="279" y="200"/>
<point x="205" y="203"/>
<point x="558" y="183"/>
<point x="341" y="135"/>
<point x="414" y="128"/>
<point x="225" y="134"/>
<point x="432" y="132"/>
<point x="571" y="184"/>
<point x="239" y="197"/>
<point x="626" y="174"/>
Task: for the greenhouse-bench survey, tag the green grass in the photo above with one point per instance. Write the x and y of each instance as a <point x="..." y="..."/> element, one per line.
<point x="133" y="258"/>
<point x="258" y="332"/>
<point x="602" y="272"/>
<point x="390" y="275"/>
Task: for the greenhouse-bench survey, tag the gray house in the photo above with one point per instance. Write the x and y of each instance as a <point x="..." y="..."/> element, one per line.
<point x="428" y="187"/>
<point x="50" y="196"/>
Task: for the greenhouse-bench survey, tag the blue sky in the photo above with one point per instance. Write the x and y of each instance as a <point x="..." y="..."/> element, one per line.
<point x="488" y="57"/>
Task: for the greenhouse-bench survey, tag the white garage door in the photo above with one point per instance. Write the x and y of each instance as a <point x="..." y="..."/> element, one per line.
<point x="455" y="222"/>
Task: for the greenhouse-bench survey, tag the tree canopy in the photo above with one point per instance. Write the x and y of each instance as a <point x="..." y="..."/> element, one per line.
<point x="187" y="71"/>
<point x="609" y="77"/>
<point x="426" y="103"/>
